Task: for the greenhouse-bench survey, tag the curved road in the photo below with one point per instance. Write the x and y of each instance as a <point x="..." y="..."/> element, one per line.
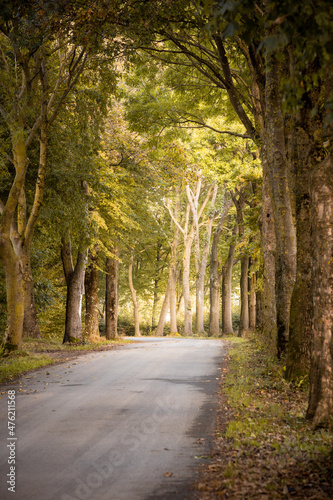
<point x="132" y="423"/>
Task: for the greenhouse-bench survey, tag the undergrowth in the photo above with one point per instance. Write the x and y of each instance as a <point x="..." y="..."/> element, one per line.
<point x="265" y="448"/>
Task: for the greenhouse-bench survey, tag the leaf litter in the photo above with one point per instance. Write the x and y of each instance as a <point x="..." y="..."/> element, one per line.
<point x="263" y="446"/>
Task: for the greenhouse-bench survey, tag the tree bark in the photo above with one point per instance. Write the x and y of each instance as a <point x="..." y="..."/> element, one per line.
<point x="75" y="288"/>
<point x="268" y="249"/>
<point x="186" y="284"/>
<point x="320" y="408"/>
<point x="226" y="289"/>
<point x="173" y="276"/>
<point x="215" y="276"/>
<point x="11" y="246"/>
<point x="285" y="262"/>
<point x="91" y="295"/>
<point x="111" y="296"/>
<point x="30" y="322"/>
<point x="252" y="298"/>
<point x="244" y="312"/>
<point x="134" y="297"/>
<point x="156" y="282"/>
<point x="15" y="296"/>
<point x="163" y="313"/>
<point x="244" y="280"/>
<point x="201" y="257"/>
<point x="301" y="309"/>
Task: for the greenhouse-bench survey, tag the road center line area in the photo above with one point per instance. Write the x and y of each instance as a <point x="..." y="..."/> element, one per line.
<point x="132" y="423"/>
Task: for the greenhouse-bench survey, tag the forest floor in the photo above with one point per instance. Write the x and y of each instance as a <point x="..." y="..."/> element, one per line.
<point x="264" y="448"/>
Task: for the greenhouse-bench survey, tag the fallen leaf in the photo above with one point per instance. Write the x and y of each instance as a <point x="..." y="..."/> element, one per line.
<point x="168" y="474"/>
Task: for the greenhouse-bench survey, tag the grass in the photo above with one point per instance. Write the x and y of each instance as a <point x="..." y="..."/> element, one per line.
<point x="266" y="407"/>
<point x="36" y="353"/>
<point x="22" y="362"/>
<point x="264" y="447"/>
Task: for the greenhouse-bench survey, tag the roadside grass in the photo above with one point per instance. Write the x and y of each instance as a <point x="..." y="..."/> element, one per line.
<point x="36" y="353"/>
<point x="264" y="446"/>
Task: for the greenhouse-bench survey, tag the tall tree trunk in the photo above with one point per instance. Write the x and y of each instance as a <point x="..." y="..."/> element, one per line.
<point x="164" y="312"/>
<point x="268" y="248"/>
<point x="111" y="296"/>
<point x="75" y="288"/>
<point x="259" y="301"/>
<point x="173" y="281"/>
<point x="215" y="276"/>
<point x="91" y="295"/>
<point x="244" y="312"/>
<point x="285" y="262"/>
<point x="15" y="296"/>
<point x="30" y="323"/>
<point x="186" y="285"/>
<point x="320" y="408"/>
<point x="158" y="271"/>
<point x="201" y="257"/>
<point x="301" y="309"/>
<point x="12" y="236"/>
<point x="134" y="297"/>
<point x="226" y="289"/>
<point x="252" y="297"/>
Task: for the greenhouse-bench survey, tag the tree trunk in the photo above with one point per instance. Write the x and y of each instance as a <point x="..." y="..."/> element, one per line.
<point x="252" y="298"/>
<point x="215" y="276"/>
<point x="75" y="288"/>
<point x="259" y="300"/>
<point x="156" y="282"/>
<point x="226" y="290"/>
<point x="244" y="313"/>
<point x="186" y="285"/>
<point x="320" y="408"/>
<point x="201" y="258"/>
<point x="285" y="262"/>
<point x="163" y="313"/>
<point x="298" y="360"/>
<point x="268" y="248"/>
<point x="11" y="246"/>
<point x="172" y="283"/>
<point x="134" y="298"/>
<point x="30" y="322"/>
<point x="15" y="297"/>
<point x="91" y="294"/>
<point x="111" y="297"/>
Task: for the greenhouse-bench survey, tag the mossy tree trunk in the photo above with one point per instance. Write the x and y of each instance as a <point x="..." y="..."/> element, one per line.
<point x="268" y="249"/>
<point x="11" y="244"/>
<point x="298" y="360"/>
<point x="278" y="174"/>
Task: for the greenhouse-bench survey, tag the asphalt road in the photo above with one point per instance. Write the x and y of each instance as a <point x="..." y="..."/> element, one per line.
<point x="128" y="424"/>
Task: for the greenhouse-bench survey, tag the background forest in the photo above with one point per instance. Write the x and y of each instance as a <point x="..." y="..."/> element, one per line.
<point x="166" y="168"/>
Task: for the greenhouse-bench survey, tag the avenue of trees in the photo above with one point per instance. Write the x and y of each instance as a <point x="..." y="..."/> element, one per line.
<point x="156" y="158"/>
